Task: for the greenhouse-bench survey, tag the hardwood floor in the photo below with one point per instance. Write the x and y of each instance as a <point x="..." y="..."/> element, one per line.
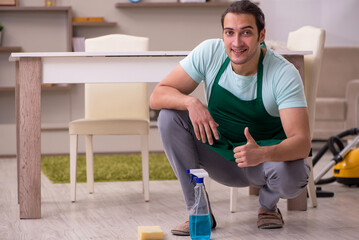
<point x="116" y="209"/>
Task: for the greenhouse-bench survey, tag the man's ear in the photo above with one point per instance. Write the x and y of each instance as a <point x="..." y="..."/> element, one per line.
<point x="262" y="35"/>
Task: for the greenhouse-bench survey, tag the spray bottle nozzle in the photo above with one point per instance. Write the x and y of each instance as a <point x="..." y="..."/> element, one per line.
<point x="198" y="173"/>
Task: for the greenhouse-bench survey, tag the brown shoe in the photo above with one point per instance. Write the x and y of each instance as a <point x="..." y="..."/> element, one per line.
<point x="183" y="229"/>
<point x="269" y="219"/>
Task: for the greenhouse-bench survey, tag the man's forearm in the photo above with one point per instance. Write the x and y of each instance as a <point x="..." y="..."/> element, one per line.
<point x="171" y="98"/>
<point x="293" y="148"/>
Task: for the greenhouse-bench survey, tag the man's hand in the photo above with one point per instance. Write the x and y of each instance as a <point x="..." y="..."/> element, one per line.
<point x="249" y="154"/>
<point x="203" y="124"/>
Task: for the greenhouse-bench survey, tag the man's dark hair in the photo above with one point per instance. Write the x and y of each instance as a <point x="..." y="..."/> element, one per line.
<point x="246" y="7"/>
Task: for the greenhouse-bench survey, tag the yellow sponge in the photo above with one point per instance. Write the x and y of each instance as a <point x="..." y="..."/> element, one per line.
<point x="150" y="233"/>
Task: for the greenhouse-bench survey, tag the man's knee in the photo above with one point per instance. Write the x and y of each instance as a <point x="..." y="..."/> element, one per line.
<point x="165" y="118"/>
<point x="173" y="123"/>
<point x="169" y="119"/>
<point x="289" y="179"/>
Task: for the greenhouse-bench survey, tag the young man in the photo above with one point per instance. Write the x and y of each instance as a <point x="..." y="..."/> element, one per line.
<point x="255" y="129"/>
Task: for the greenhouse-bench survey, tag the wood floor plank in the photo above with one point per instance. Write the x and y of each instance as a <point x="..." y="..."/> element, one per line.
<point x="115" y="210"/>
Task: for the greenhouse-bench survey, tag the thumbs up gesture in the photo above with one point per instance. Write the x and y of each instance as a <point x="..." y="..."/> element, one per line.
<point x="249" y="154"/>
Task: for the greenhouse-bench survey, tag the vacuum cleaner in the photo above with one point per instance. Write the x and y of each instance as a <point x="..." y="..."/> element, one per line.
<point x="345" y="161"/>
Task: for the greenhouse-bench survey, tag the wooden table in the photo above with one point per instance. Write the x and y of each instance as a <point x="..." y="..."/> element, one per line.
<point x="32" y="69"/>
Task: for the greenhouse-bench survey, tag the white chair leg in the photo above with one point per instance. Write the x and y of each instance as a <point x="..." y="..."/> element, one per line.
<point x="145" y="167"/>
<point x="89" y="164"/>
<point x="311" y="186"/>
<point x="73" y="166"/>
<point x="233" y="199"/>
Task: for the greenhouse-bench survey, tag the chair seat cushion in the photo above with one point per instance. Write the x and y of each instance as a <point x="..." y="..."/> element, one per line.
<point x="109" y="127"/>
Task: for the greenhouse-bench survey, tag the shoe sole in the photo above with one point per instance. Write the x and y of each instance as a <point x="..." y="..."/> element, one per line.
<point x="270" y="226"/>
<point x="179" y="233"/>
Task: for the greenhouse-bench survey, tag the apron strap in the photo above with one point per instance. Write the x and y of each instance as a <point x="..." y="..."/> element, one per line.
<point x="221" y="70"/>
<point x="260" y="76"/>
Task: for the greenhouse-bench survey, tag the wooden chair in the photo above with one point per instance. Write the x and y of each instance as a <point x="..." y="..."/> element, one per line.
<point x="307" y="38"/>
<point x="112" y="109"/>
<point x="312" y="39"/>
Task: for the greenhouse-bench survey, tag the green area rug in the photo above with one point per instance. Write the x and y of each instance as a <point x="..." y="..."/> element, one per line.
<point x="107" y="168"/>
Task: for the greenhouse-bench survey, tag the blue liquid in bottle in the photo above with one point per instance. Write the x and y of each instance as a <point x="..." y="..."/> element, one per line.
<point x="200" y="227"/>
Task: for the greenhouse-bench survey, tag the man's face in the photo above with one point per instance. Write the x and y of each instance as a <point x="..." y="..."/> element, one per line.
<point x="240" y="36"/>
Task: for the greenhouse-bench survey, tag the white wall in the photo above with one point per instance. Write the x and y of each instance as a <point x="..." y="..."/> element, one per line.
<point x="338" y="18"/>
<point x="184" y="28"/>
<point x="169" y="29"/>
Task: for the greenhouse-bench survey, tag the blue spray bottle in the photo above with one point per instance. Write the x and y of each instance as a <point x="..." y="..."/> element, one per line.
<point x="199" y="218"/>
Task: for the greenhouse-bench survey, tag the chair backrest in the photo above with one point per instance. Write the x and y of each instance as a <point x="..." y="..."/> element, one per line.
<point x="117" y="100"/>
<point x="340" y="65"/>
<point x="309" y="38"/>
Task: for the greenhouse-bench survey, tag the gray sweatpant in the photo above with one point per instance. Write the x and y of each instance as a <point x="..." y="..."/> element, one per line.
<point x="276" y="179"/>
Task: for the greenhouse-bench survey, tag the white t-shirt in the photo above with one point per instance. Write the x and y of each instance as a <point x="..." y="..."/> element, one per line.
<point x="282" y="85"/>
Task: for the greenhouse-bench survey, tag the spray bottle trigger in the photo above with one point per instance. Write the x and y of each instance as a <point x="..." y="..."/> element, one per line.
<point x="192" y="177"/>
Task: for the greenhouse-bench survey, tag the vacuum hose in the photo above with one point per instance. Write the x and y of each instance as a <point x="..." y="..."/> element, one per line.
<point x="331" y="145"/>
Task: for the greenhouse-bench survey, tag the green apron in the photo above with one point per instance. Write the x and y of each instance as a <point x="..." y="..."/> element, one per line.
<point x="234" y="115"/>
